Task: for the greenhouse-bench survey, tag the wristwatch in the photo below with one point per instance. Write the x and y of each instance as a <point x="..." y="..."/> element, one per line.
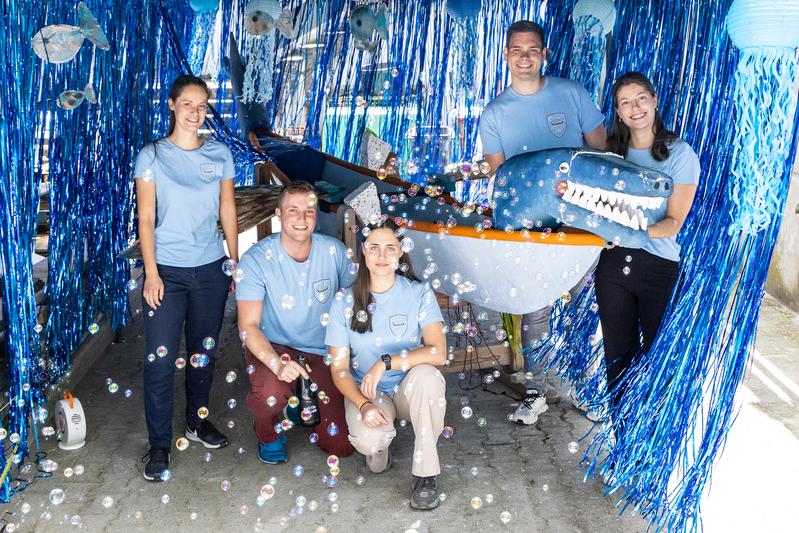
<point x="387" y="360"/>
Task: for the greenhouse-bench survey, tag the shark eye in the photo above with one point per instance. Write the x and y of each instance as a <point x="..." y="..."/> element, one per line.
<point x="564" y="167"/>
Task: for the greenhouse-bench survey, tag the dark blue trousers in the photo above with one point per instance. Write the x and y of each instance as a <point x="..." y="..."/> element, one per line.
<point x="194" y="304"/>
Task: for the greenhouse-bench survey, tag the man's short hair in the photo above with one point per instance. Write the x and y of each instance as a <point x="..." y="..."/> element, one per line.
<point x="522" y="26"/>
<point x="294" y="187"/>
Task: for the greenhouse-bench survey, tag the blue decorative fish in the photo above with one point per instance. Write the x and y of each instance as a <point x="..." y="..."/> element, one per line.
<point x="60" y="43"/>
<point x="595" y="191"/>
<point x="71" y="99"/>
<point x="367" y="24"/>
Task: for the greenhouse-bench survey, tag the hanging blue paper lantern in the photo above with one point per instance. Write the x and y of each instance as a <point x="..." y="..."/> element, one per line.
<point x="753" y="23"/>
<point x="602" y="10"/>
<point x="462" y="9"/>
<point x="203" y="5"/>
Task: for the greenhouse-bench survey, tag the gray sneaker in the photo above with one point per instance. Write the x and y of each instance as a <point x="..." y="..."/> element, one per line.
<point x="424" y="493"/>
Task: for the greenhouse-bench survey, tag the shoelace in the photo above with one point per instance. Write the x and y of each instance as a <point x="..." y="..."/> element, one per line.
<point x="528" y="401"/>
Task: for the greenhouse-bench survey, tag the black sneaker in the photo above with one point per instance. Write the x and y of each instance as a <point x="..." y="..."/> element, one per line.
<point x="156" y="462"/>
<point x="207" y="434"/>
<point x="424" y="493"/>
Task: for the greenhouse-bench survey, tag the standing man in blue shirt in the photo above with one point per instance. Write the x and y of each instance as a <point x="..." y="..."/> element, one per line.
<point x="287" y="282"/>
<point x="536" y="113"/>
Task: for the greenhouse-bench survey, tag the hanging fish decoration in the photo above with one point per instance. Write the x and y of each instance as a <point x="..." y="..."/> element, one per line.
<point x="60" y="43"/>
<point x="260" y="23"/>
<point x="367" y="25"/>
<point x="71" y="99"/>
<point x="202" y="33"/>
<point x="286" y="26"/>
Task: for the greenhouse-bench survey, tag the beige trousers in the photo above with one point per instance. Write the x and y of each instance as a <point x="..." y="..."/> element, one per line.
<point x="420" y="399"/>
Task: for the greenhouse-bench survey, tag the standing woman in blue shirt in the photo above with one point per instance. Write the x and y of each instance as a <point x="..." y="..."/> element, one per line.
<point x="634" y="286"/>
<point x="385" y="337"/>
<point x="184" y="186"/>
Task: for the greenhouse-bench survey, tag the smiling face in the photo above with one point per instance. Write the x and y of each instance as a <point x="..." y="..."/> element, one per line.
<point x="636" y="107"/>
<point x="297" y="214"/>
<point x="190" y="108"/>
<point x="382" y="252"/>
<point x="525" y="55"/>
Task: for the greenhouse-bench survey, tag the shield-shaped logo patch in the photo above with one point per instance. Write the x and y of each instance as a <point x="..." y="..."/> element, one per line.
<point x="398" y="324"/>
<point x="557" y="124"/>
<point x="321" y="290"/>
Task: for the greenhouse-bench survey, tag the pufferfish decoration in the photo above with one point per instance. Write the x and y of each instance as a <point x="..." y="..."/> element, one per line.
<point x="367" y="25"/>
<point x="260" y="23"/>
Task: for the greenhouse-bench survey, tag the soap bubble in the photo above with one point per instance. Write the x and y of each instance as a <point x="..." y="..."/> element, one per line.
<point x="57" y="496"/>
<point x="48" y="465"/>
<point x="225" y="485"/>
<point x="68" y="472"/>
<point x="202" y="412"/>
<point x="466" y="412"/>
<point x="209" y="343"/>
<point x="108" y="502"/>
<point x="332" y="461"/>
<point x="361" y="316"/>
<point x="228" y="267"/>
<point x="79" y="469"/>
<point x="481" y="422"/>
<point x="626" y="271"/>
<point x="360" y="480"/>
<point x="489" y="498"/>
<point x="199" y="360"/>
<point x="113" y="388"/>
<point x="294" y="402"/>
<point x="128" y="393"/>
<point x="504" y="517"/>
<point x="545" y="487"/>
<point x="324" y="319"/>
<point x="501" y="335"/>
<point x="231" y="403"/>
<point x="476" y="502"/>
<point x="474" y="471"/>
<point x="132" y="284"/>
<point x="271" y="401"/>
<point x="230" y="377"/>
<point x="313" y="437"/>
<point x="447" y="432"/>
<point x="161" y="351"/>
<point x="573" y="447"/>
<point x="332" y="429"/>
<point x="93" y="328"/>
<point x="151" y="358"/>
<point x="165" y="499"/>
<point x="298" y="471"/>
<point x="182" y="443"/>
<point x="287" y="301"/>
<point x="406" y="245"/>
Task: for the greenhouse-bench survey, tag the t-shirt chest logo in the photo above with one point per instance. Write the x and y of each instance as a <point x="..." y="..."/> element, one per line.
<point x="321" y="290"/>
<point x="557" y="124"/>
<point x="208" y="171"/>
<point x="398" y="325"/>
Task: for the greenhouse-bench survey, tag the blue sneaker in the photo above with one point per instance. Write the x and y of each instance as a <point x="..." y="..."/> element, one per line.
<point x="273" y="453"/>
<point x="292" y="414"/>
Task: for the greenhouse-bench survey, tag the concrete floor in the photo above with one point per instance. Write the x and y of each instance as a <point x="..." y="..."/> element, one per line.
<point x="529" y="471"/>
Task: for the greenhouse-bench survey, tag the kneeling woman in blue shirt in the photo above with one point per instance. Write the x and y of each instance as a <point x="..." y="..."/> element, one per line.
<point x="386" y="339"/>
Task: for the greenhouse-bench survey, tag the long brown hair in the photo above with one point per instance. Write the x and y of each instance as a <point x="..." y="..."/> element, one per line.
<point x="619" y="136"/>
<point x="360" y="289"/>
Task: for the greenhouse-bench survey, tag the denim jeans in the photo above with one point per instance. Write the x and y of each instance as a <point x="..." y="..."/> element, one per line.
<point x="194" y="304"/>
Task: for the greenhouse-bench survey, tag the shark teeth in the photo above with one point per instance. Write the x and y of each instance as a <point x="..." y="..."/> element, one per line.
<point x="624" y="209"/>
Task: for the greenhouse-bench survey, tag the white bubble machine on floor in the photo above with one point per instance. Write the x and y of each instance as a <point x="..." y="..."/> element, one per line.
<point x="70" y="422"/>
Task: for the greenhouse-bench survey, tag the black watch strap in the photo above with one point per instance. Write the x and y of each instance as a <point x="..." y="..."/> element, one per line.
<point x="387" y="360"/>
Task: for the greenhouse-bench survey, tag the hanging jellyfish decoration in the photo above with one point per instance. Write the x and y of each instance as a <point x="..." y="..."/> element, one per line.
<point x="261" y="20"/>
<point x="464" y="15"/>
<point x="767" y="34"/>
<point x="593" y="22"/>
<point x="202" y="31"/>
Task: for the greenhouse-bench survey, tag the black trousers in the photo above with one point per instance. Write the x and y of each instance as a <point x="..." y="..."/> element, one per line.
<point x="194" y="304"/>
<point x="633" y="288"/>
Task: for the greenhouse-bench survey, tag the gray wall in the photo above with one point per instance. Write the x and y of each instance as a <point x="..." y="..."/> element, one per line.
<point x="783" y="275"/>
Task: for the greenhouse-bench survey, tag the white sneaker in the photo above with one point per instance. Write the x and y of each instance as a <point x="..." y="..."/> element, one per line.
<point x="592" y="414"/>
<point x="529" y="409"/>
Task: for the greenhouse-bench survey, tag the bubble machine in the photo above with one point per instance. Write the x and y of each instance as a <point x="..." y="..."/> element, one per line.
<point x="71" y="423"/>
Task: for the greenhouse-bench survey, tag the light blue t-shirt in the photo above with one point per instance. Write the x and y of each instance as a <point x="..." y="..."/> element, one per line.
<point x="187" y="184"/>
<point x="295" y="295"/>
<point x="682" y="166"/>
<point x="399" y="317"/>
<point x="556" y="116"/>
